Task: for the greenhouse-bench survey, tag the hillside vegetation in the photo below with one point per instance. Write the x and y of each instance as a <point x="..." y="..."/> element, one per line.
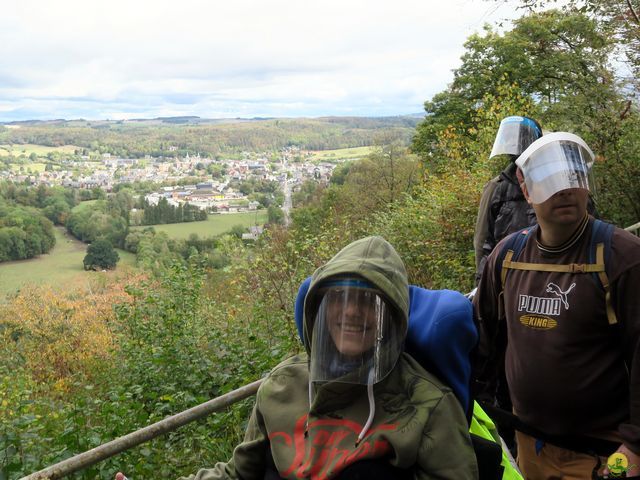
<point x="163" y="138"/>
<point x="78" y="370"/>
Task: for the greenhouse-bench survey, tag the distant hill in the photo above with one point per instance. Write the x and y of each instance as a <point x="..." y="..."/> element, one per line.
<point x="168" y="136"/>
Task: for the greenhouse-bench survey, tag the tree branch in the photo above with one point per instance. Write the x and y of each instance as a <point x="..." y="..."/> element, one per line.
<point x="625" y="112"/>
<point x="633" y="12"/>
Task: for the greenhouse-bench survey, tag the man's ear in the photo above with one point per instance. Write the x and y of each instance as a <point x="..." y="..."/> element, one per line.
<point x="525" y="192"/>
<point x="523" y="186"/>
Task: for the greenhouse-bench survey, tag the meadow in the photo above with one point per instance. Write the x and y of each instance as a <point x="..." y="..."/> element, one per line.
<point x="341" y="154"/>
<point x="27" y="149"/>
<point x="61" y="267"/>
<point x="35" y="167"/>
<point x="214" y="225"/>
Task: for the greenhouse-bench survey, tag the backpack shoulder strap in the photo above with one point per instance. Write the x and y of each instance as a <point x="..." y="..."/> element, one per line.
<point x="482" y="224"/>
<point x="601" y="232"/>
<point x="599" y="254"/>
<point x="509" y="252"/>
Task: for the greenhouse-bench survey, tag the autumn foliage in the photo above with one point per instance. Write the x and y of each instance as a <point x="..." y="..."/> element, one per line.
<point x="57" y="336"/>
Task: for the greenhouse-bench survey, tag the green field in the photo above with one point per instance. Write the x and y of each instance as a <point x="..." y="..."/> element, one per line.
<point x="40" y="150"/>
<point x="341" y="154"/>
<point x="214" y="225"/>
<point x="61" y="267"/>
<point x="34" y="167"/>
<point x="84" y="205"/>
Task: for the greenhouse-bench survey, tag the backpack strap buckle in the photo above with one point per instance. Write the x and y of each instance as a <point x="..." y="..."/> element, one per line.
<point x="577" y="268"/>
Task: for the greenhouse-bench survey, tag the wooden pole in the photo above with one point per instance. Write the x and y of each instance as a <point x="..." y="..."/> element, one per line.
<point x="133" y="439"/>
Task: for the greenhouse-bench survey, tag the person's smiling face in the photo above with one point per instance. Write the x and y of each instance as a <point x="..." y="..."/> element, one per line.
<point x="351" y="320"/>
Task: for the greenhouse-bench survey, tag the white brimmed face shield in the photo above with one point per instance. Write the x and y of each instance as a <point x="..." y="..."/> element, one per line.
<point x="355" y="337"/>
<point x="558" y="161"/>
<point x="515" y="135"/>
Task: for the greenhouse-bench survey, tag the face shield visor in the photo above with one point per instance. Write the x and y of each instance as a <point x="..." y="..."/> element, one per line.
<point x="515" y="135"/>
<point x="355" y="337"/>
<point x="558" y="161"/>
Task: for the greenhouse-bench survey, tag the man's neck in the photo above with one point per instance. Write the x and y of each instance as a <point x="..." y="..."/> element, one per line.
<point x="554" y="235"/>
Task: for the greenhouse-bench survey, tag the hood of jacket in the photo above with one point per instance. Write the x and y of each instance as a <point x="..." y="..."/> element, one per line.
<point x="509" y="174"/>
<point x="373" y="259"/>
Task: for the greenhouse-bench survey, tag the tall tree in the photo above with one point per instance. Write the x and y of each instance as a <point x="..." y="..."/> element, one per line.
<point x="620" y="17"/>
<point x="561" y="61"/>
<point x="383" y="177"/>
<point x="558" y="59"/>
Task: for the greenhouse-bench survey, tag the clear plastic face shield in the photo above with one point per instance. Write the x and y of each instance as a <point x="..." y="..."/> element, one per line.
<point x="515" y="135"/>
<point x="558" y="161"/>
<point x="355" y="338"/>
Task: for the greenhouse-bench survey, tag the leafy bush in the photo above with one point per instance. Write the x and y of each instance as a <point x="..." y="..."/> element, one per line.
<point x="100" y="256"/>
<point x="77" y="373"/>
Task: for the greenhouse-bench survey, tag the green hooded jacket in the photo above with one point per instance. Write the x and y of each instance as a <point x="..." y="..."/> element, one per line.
<point x="418" y="423"/>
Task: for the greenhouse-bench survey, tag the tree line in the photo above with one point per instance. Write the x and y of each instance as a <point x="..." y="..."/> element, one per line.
<point x="28" y="214"/>
<point x="163" y="212"/>
<point x="27" y="217"/>
<point x="138" y="139"/>
<point x="24" y="233"/>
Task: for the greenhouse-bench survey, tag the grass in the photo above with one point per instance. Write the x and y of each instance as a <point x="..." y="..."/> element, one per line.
<point x="61" y="267"/>
<point x="84" y="205"/>
<point x="341" y="154"/>
<point x="28" y="148"/>
<point x="34" y="167"/>
<point x="214" y="225"/>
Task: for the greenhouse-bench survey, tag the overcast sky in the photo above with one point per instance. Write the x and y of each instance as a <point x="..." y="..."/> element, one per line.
<point x="119" y="59"/>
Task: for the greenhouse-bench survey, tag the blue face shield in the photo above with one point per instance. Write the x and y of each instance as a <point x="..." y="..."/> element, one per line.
<point x="515" y="135"/>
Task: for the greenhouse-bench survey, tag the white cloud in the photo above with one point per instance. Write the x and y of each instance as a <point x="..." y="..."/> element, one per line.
<point x="100" y="58"/>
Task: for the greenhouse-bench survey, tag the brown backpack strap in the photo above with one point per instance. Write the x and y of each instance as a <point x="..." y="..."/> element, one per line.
<point x="505" y="266"/>
<point x="503" y="276"/>
<point x="551" y="267"/>
<point x="611" y="314"/>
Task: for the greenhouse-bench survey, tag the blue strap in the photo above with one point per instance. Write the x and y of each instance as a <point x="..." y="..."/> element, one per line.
<point x="516" y="242"/>
<point x="601" y="232"/>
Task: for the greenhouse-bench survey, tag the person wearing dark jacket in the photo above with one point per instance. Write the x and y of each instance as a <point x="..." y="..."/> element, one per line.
<point x="503" y="208"/>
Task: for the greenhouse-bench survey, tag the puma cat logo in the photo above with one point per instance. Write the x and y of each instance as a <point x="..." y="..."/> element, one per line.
<point x="553" y="288"/>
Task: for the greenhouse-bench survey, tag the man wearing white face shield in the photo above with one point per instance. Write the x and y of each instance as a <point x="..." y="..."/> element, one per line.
<point x="559" y="161"/>
<point x="558" y="309"/>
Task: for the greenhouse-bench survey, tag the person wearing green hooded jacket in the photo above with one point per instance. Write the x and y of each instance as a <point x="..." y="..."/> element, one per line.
<point x="355" y="406"/>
